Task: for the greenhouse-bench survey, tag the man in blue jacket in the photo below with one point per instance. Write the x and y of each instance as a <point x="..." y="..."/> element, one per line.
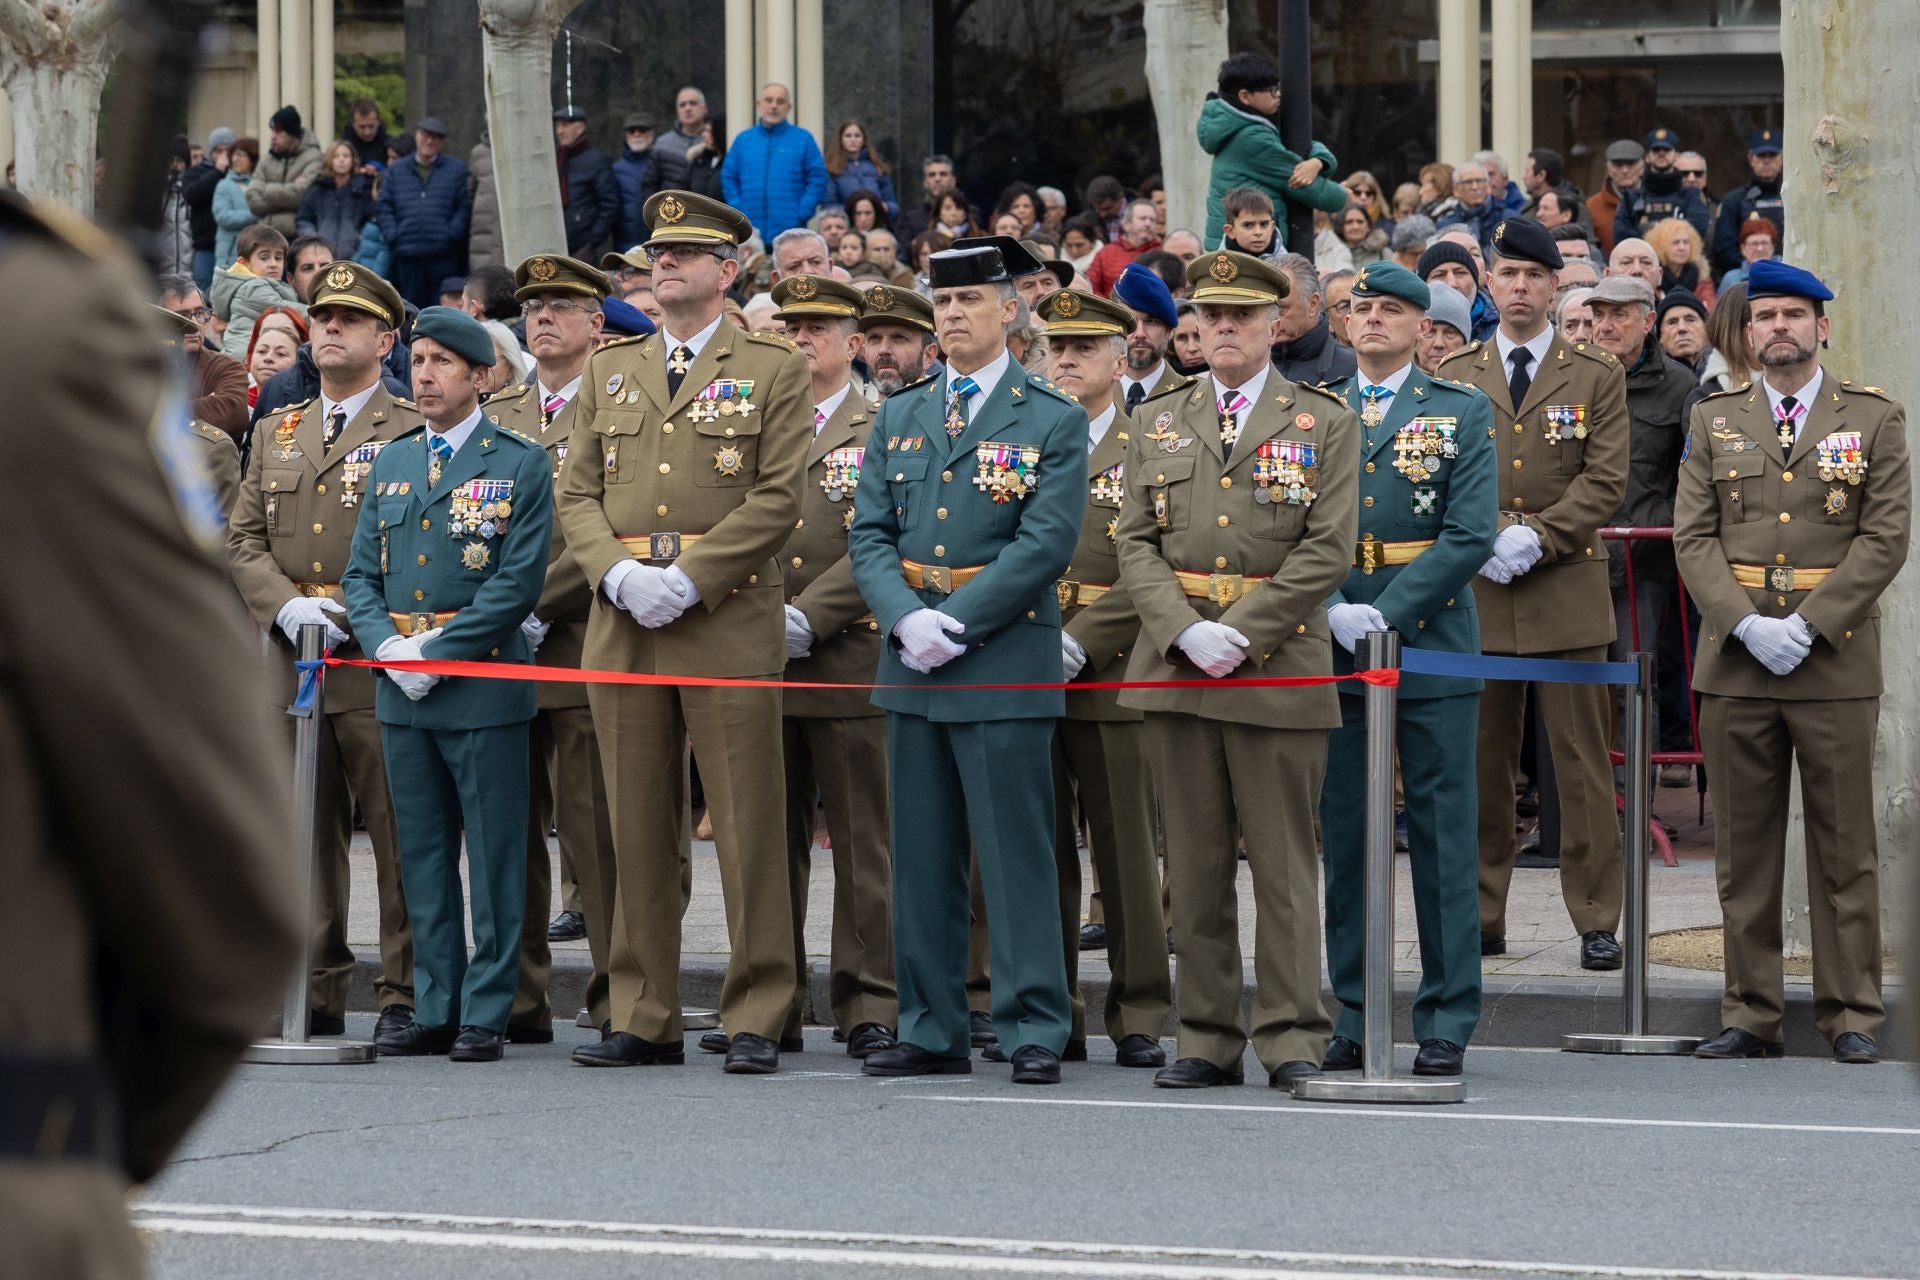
<point x="423" y="214"/>
<point x="774" y="172"/>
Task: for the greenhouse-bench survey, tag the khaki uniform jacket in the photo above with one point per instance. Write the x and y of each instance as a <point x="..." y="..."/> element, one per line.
<point x="1107" y="627"/>
<point x="638" y="464"/>
<point x="1188" y="508"/>
<point x="222" y="459"/>
<point x="292" y="527"/>
<point x="819" y="577"/>
<point x="1561" y="485"/>
<point x="1740" y="504"/>
<point x="566" y="599"/>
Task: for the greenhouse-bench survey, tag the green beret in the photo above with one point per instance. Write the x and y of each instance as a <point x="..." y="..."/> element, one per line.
<point x="458" y="332"/>
<point x="1391" y="280"/>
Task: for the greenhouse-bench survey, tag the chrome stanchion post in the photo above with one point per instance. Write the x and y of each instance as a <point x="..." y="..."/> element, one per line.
<point x="1377" y="1082"/>
<point x="292" y="1044"/>
<point x="1638" y="849"/>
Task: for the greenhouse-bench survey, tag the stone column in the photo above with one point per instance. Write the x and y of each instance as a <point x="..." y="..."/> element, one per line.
<point x="296" y="61"/>
<point x="741" y="86"/>
<point x="1459" y="87"/>
<point x="810" y="70"/>
<point x="1512" y="81"/>
<point x="323" y="123"/>
<point x="267" y="35"/>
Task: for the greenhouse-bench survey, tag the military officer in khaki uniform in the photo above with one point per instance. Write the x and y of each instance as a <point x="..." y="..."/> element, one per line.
<point x="1560" y="419"/>
<point x="144" y="799"/>
<point x="1793" y="515"/>
<point x="836" y="739"/>
<point x="561" y="298"/>
<point x="219" y="454"/>
<point x="287" y="544"/>
<point x="682" y="485"/>
<point x="1238" y="523"/>
<point x="898" y="328"/>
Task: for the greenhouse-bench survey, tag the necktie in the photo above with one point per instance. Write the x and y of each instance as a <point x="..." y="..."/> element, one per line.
<point x="336" y="423"/>
<point x="677" y="365"/>
<point x="1136" y="392"/>
<point x="442" y="453"/>
<point x="549" y="407"/>
<point x="1517" y="384"/>
<point x="1788" y="411"/>
<point x="961" y="388"/>
<point x="819" y="421"/>
<point x="1373" y="409"/>
<point x="1230" y="406"/>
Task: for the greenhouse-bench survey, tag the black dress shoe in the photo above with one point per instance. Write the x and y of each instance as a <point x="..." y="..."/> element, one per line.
<point x="1196" y="1073"/>
<point x="1342" y="1055"/>
<point x="869" y="1038"/>
<point x="325" y="1024"/>
<point x="478" y="1044"/>
<point x="1599" y="950"/>
<point x="980" y="1028"/>
<point x="1139" y="1051"/>
<point x="1855" y="1046"/>
<point x="529" y="1035"/>
<point x="794" y="1043"/>
<point x="568" y="926"/>
<point x="1438" y="1058"/>
<point x="1287" y="1074"/>
<point x="1493" y="944"/>
<point x="839" y="1036"/>
<point x="624" y="1049"/>
<point x="752" y="1055"/>
<point x="993" y="1052"/>
<point x="393" y="1019"/>
<point x="911" y="1060"/>
<point x="1732" y="1042"/>
<point x="1033" y="1064"/>
<point x="714" y="1041"/>
<point x="1093" y="937"/>
<point x="1076" y="1050"/>
<point x="416" y="1041"/>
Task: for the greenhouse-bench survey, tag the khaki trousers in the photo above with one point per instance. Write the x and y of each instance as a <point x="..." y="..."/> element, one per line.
<point x="567" y="792"/>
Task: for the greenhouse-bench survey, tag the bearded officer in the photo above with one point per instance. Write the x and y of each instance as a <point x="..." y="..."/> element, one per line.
<point x="971" y="497"/>
<point x="561" y="299"/>
<point x="682" y="485"/>
<point x="1560" y="420"/>
<point x="1793" y="516"/>
<point x="896" y="329"/>
<point x="1427" y="523"/>
<point x="287" y="543"/>
<point x="1237" y="526"/>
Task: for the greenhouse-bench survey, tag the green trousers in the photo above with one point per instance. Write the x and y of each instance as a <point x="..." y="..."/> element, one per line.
<point x="1435" y="740"/>
<point x="445" y="781"/>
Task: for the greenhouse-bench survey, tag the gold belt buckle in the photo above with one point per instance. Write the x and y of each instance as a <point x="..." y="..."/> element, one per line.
<point x="1780" y="578"/>
<point x="1368" y="557"/>
<point x="421" y="623"/>
<point x="1224" y="588"/>
<point x="1069" y="592"/>
<point x="313" y="590"/>
<point x="938" y="577"/>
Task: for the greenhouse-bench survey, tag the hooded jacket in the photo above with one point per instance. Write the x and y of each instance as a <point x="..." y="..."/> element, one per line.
<point x="1247" y="152"/>
<point x="280" y="182"/>
<point x="336" y="212"/>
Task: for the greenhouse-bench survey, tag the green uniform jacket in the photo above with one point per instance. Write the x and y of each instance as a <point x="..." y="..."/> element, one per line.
<point x="1191" y="509"/>
<point x="918" y="501"/>
<point x="405" y="561"/>
<point x="1108" y="627"/>
<point x="819" y="576"/>
<point x="1430" y="600"/>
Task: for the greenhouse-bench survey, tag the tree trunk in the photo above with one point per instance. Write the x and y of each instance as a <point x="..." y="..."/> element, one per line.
<point x="1853" y="92"/>
<point x="1186" y="43"/>
<point x="53" y="66"/>
<point x="517" y="39"/>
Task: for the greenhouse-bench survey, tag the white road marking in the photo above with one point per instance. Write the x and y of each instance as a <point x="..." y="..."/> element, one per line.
<point x="1428" y="1113"/>
<point x="982" y="1254"/>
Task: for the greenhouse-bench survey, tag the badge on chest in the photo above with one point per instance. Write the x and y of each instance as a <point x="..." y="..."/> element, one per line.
<point x="1565" y="422"/>
<point x="479" y="507"/>
<point x="1285" y="471"/>
<point x="284" y="449"/>
<point x="355" y="470"/>
<point x="1840" y="457"/>
<point x="840" y="472"/>
<point x="1005" y="472"/>
<point x="723" y="398"/>
<point x="1422" y="445"/>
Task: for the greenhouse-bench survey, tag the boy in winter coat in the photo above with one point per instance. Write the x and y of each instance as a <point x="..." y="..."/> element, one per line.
<point x="251" y="285"/>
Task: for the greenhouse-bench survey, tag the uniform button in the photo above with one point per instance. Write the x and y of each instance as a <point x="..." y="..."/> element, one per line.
<point x="665" y="467"/>
<point x="940" y="513"/>
<point x="318" y="567"/>
<point x="493" y="653"/>
<point x="1223" y="522"/>
<point x="1518" y="503"/>
<point x="1779" y="599"/>
<point x="383" y="524"/>
<point x="728" y="433"/>
<point x="666" y="428"/>
<point x="1517" y="428"/>
<point x="899" y="476"/>
<point x="798" y="561"/>
<point x="1219" y="562"/>
<point x="1369" y="468"/>
<point x="1519" y="464"/>
<point x="1849" y="635"/>
<point x="1030" y="615"/>
<point x="1161" y="478"/>
<point x="425" y="523"/>
<point x="1449" y="604"/>
<point x="939" y="550"/>
<point x="1779" y="559"/>
<point x="1787" y="476"/>
<point x="1422" y="624"/>
<point x="1589" y="550"/>
<point x="1300" y="629"/>
<point x="753" y="578"/>
<point x="419" y="595"/>
<point x="320" y="488"/>
<point x="946" y="477"/>
<point x="1786" y="517"/>
<point x="423" y="559"/>
<point x="319" y="528"/>
<point x="1367" y="501"/>
<point x="273" y="484"/>
<point x="1226" y="482"/>
<point x="660" y="510"/>
<point x="1733" y="475"/>
<point x="801" y="523"/>
<point x="874" y="626"/>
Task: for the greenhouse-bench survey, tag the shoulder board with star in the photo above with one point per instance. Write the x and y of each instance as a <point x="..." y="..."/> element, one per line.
<point x="520" y="436"/>
<point x="771" y="340"/>
<point x="301" y="407"/>
<point x="1335" y="386"/>
<point x="416" y="429"/>
<point x="1593" y="351"/>
<point x="1173" y="390"/>
<point x="1742" y="389"/>
<point x="1321" y="391"/>
<point x="911" y="385"/>
<point x="513" y="392"/>
<point x="401" y="402"/>
<point x="207" y="431"/>
<point x="1042" y="384"/>
<point x="1876" y="392"/>
<point x="1471" y="349"/>
<point x="625" y="340"/>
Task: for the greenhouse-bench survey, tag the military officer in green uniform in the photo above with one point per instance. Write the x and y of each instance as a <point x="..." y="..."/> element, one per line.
<point x="448" y="560"/>
<point x="288" y="537"/>
<point x="1427" y="523"/>
<point x="1237" y="525"/>
<point x="835" y="739"/>
<point x="561" y="299"/>
<point x="970" y="501"/>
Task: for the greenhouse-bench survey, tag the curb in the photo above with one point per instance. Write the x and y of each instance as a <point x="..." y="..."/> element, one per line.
<point x="1516" y="1012"/>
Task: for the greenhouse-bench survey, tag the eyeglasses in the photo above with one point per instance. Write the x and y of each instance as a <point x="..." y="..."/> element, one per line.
<point x="1469" y="182"/>
<point x="557" y="307"/>
<point x="199" y="315"/>
<point x="682" y="252"/>
<point x="1693" y="173"/>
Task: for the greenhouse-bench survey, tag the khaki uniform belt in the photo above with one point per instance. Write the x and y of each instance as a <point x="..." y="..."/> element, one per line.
<point x="1369" y="555"/>
<point x="659" y="546"/>
<point x="321" y="591"/>
<point x="1073" y="593"/>
<point x="1221" y="588"/>
<point x="937" y="577"/>
<point x="414" y="624"/>
<point x="1778" y="577"/>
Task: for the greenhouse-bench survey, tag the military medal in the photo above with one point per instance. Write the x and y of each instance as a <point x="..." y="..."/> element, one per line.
<point x="728" y="460"/>
<point x="1006" y="471"/>
<point x="841" y="472"/>
<point x="1371" y="414"/>
<point x="356" y="469"/>
<point x="679" y="363"/>
<point x="474" y="555"/>
<point x="284" y="448"/>
<point x="846" y="519"/>
<point x="1425" y="501"/>
<point x="613" y="384"/>
<point x="1836" y="501"/>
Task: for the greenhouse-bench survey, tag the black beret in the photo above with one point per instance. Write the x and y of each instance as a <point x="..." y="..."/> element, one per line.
<point x="1529" y="241"/>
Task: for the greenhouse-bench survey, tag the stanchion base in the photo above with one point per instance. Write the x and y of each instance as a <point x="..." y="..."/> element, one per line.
<point x="700" y="1019"/>
<point x="286" y="1053"/>
<point x="1654" y="1046"/>
<point x="1395" y="1089"/>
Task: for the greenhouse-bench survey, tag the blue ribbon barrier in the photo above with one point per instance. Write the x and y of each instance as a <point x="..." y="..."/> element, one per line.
<point x="1430" y="662"/>
<point x="309" y="683"/>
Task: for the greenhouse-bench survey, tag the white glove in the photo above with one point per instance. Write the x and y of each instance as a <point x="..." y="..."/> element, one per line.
<point x="689" y="594"/>
<point x="1073" y="658"/>
<point x="799" y="634"/>
<point x="535" y="630"/>
<point x="407" y="649"/>
<point x="305" y="610"/>
<point x="1495" y="570"/>
<point x="1518" y="548"/>
<point x="923" y="639"/>
<point x="1776" y="642"/>
<point x="1351" y="622"/>
<point x="1214" y="647"/>
<point x="649" y="595"/>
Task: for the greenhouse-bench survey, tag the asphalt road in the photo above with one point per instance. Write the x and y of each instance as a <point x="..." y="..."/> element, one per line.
<point x="1558" y="1165"/>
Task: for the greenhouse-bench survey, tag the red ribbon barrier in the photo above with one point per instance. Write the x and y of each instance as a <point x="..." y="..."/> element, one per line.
<point x="587" y="675"/>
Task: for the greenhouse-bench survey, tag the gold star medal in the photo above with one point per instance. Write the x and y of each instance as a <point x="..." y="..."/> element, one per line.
<point x="728" y="460"/>
<point x="474" y="555"/>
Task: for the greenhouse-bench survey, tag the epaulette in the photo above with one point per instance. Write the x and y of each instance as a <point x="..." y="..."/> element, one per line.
<point x="1329" y="385"/>
<point x="513" y="392"/>
<point x="210" y="432"/>
<point x="1593" y="351"/>
<point x="401" y="402"/>
<point x="522" y="437"/>
<point x="625" y="340"/>
<point x="911" y="385"/>
<point x="417" y="429"/>
<point x="1472" y="348"/>
<point x="770" y="340"/>
<point x="1322" y="391"/>
<point x="1730" y="391"/>
<point x="1173" y="390"/>
<point x="62" y="224"/>
<point x="1872" y="391"/>
<point x="1044" y="385"/>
